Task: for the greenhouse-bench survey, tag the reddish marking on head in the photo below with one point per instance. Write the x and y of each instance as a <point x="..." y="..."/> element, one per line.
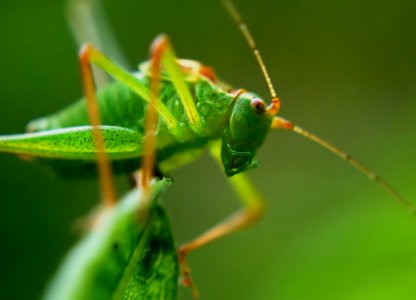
<point x="208" y="72"/>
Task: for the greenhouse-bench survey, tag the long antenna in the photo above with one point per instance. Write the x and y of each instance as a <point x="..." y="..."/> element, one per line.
<point x="273" y="109"/>
<point x="285" y="124"/>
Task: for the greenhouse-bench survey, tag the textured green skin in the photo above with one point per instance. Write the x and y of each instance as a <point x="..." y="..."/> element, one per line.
<point x="119" y="106"/>
<point x="75" y="143"/>
<point x="129" y="255"/>
<point x="241" y="135"/>
<point x="242" y="138"/>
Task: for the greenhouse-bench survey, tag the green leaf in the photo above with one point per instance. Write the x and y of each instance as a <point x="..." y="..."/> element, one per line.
<point x="130" y="254"/>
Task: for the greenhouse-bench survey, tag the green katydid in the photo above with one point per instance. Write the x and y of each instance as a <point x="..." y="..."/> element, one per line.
<point x="195" y="111"/>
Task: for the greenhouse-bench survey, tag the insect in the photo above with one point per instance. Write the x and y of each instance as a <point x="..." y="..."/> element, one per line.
<point x="243" y="164"/>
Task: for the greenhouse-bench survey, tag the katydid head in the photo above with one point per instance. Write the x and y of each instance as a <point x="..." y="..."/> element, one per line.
<point x="250" y="119"/>
<point x="248" y="125"/>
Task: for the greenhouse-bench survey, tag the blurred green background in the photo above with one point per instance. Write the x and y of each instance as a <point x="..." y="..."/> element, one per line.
<point x="344" y="69"/>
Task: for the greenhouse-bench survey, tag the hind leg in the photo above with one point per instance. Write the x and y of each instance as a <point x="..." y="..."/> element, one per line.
<point x="253" y="207"/>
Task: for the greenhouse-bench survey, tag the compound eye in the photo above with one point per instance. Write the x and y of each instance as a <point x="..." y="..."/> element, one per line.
<point x="258" y="105"/>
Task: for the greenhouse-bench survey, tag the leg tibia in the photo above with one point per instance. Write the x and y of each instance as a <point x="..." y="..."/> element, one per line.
<point x="253" y="208"/>
<point x="90" y="54"/>
<point x="162" y="47"/>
